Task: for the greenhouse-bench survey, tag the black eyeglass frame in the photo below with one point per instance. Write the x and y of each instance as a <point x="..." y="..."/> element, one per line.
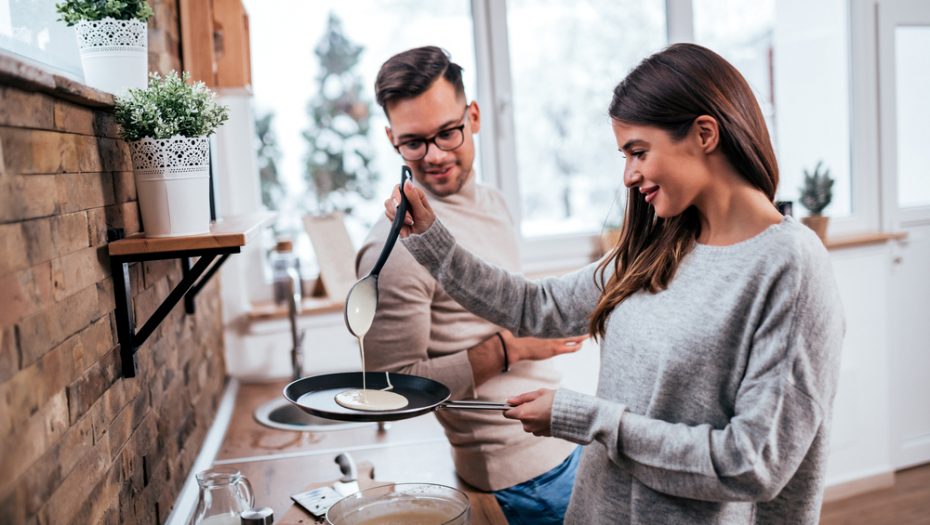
<point x="432" y="140"/>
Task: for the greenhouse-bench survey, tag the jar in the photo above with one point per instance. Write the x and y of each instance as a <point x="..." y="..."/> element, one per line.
<point x="224" y="494"/>
<point x="284" y="267"/>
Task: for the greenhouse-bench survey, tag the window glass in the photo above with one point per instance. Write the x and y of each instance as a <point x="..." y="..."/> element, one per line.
<point x="286" y="73"/>
<point x="912" y="71"/>
<point x="741" y="31"/>
<point x="29" y="28"/>
<point x="794" y="54"/>
<point x="566" y="57"/>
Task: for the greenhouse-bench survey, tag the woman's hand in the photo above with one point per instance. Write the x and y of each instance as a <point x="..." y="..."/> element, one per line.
<point x="533" y="349"/>
<point x="420" y="215"/>
<point x="534" y="410"/>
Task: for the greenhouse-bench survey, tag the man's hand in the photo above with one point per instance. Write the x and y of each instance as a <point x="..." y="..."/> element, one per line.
<point x="487" y="357"/>
<point x="420" y="215"/>
<point x="532" y="349"/>
<point x="534" y="410"/>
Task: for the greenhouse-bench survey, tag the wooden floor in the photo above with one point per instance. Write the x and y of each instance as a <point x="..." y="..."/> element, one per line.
<point x="906" y="503"/>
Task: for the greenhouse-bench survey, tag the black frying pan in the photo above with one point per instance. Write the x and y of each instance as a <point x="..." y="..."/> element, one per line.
<point x="317" y="395"/>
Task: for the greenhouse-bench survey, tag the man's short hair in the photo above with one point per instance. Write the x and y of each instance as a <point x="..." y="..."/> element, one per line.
<point x="411" y="73"/>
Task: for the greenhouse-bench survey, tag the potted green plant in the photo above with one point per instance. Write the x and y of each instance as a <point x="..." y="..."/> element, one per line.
<point x="166" y="126"/>
<point x="816" y="194"/>
<point x="113" y="41"/>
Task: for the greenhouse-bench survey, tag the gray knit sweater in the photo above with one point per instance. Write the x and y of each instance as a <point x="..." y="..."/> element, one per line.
<point x="715" y="395"/>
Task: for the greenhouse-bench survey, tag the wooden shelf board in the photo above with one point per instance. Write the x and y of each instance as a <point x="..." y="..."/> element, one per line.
<point x="229" y="232"/>
<point x="862" y="239"/>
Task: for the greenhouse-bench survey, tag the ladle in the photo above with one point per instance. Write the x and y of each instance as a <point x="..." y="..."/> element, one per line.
<point x="362" y="300"/>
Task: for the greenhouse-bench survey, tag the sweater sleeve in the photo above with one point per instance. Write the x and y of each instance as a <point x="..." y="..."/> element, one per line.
<point x="549" y="308"/>
<point x="399" y="338"/>
<point x="782" y="401"/>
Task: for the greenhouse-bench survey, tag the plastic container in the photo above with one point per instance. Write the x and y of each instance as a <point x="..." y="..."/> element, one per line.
<point x="173" y="184"/>
<point x="114" y="53"/>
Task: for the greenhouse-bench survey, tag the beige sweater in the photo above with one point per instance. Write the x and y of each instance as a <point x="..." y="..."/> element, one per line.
<point x="420" y="330"/>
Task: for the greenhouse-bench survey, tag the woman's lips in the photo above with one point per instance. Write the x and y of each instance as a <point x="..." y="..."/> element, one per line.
<point x="651" y="193"/>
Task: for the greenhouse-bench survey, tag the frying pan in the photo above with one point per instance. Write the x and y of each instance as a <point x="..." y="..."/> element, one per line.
<point x="317" y="395"/>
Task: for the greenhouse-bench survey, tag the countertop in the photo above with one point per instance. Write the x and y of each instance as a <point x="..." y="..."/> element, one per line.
<point x="279" y="463"/>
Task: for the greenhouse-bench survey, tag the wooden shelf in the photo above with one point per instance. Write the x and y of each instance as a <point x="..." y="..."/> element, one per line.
<point x="226" y="237"/>
<point x="267" y="310"/>
<point x="849" y="241"/>
<point x="231" y="232"/>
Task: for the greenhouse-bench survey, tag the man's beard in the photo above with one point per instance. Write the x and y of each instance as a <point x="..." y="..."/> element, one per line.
<point x="458" y="183"/>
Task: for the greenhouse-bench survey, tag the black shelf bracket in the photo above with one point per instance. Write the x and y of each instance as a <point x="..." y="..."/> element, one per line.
<point x="193" y="280"/>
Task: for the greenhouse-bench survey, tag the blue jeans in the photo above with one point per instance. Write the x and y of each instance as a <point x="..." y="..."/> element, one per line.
<point x="542" y="500"/>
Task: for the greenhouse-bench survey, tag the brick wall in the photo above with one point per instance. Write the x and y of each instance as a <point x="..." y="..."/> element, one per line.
<point x="78" y="443"/>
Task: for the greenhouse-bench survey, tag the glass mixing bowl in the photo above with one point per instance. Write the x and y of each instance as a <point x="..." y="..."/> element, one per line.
<point x="402" y="504"/>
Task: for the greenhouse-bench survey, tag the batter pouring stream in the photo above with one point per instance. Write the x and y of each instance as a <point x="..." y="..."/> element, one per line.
<point x="360" y="312"/>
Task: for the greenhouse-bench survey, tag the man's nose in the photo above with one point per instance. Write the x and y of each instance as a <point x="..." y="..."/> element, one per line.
<point x="434" y="155"/>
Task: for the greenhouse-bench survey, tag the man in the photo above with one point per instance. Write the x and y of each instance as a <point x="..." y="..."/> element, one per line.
<point x="420" y="330"/>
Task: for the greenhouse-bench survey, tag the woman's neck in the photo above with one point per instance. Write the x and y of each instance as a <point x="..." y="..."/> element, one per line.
<point x="733" y="210"/>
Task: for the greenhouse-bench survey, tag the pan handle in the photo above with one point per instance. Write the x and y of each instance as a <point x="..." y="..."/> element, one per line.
<point x="476" y="405"/>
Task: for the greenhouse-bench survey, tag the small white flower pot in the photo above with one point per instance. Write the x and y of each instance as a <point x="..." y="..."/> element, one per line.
<point x="114" y="53"/>
<point x="173" y="184"/>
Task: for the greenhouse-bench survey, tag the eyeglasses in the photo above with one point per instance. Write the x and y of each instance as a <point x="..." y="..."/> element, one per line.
<point x="446" y="140"/>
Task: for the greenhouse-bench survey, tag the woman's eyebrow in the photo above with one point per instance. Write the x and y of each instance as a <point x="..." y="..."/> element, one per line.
<point x="632" y="142"/>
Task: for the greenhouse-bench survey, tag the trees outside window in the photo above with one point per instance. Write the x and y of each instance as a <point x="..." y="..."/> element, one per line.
<point x="339" y="160"/>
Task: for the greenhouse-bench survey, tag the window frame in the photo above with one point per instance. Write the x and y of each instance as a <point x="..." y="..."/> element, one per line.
<point x="863" y="117"/>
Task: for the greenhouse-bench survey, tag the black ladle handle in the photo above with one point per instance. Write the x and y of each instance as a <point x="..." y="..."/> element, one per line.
<point x="396" y="225"/>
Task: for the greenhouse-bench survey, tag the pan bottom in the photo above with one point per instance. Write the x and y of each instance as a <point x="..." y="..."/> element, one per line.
<point x="317" y="395"/>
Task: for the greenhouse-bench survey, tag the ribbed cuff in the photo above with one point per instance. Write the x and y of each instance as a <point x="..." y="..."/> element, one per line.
<point x="431" y="247"/>
<point x="581" y="418"/>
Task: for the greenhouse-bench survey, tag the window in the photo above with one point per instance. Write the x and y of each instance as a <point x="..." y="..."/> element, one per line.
<point x="798" y="67"/>
<point x="912" y="69"/>
<point x="286" y="73"/>
<point x="566" y="57"/>
<point x="543" y="72"/>
<point x="813" y="99"/>
<point x="29" y="29"/>
<point x="742" y="32"/>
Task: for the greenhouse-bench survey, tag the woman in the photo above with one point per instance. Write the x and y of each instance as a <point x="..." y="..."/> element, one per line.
<point x="719" y="319"/>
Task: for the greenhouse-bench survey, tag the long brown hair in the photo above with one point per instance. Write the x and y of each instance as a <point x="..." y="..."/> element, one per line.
<point x="669" y="90"/>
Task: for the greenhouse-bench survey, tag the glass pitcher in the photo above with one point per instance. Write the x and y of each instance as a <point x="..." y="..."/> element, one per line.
<point x="224" y="493"/>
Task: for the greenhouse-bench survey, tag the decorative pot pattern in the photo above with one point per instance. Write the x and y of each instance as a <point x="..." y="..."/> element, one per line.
<point x="110" y="34"/>
<point x="170" y="155"/>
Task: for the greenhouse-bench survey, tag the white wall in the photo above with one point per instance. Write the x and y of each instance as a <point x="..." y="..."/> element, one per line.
<point x="909" y="348"/>
<point x="860" y="444"/>
<point x="327" y="347"/>
<point x="237" y="187"/>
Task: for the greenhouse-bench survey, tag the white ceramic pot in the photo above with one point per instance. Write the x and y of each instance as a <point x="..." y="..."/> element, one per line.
<point x="173" y="184"/>
<point x="114" y="53"/>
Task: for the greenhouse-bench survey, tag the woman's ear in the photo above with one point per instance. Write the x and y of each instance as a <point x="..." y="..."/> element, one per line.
<point x="708" y="132"/>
